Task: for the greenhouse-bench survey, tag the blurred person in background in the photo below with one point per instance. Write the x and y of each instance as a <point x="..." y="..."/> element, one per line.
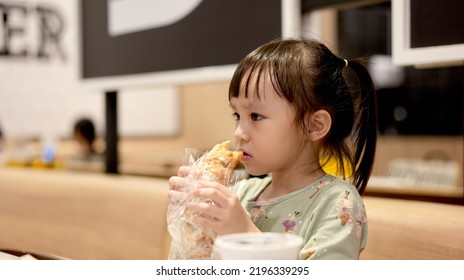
<point x="84" y="134"/>
<point x="88" y="157"/>
<point x="1" y="138"/>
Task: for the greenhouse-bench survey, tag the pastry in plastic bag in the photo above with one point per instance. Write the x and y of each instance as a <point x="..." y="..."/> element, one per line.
<point x="190" y="240"/>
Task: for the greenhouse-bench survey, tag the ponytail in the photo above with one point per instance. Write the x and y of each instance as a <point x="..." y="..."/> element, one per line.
<point x="365" y="130"/>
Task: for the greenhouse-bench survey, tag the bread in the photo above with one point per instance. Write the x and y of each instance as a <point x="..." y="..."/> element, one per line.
<point x="215" y="166"/>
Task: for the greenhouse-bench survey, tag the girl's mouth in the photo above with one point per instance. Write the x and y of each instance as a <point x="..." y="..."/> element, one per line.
<point x="245" y="156"/>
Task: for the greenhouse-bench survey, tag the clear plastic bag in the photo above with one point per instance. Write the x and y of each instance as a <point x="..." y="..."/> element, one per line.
<point x="190" y="240"/>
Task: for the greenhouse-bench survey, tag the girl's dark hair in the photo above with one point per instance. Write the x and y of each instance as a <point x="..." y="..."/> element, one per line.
<point x="309" y="76"/>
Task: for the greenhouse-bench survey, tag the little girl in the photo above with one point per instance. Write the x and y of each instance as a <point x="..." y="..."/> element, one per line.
<point x="293" y="108"/>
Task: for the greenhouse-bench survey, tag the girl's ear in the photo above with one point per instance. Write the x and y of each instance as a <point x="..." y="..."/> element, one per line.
<point x="319" y="125"/>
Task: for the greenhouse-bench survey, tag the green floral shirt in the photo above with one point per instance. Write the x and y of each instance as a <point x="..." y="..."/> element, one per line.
<point x="329" y="214"/>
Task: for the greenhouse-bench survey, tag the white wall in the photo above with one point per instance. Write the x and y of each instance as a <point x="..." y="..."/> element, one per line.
<point x="41" y="98"/>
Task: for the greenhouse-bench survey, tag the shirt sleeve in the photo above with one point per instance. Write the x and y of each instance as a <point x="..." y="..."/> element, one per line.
<point x="339" y="226"/>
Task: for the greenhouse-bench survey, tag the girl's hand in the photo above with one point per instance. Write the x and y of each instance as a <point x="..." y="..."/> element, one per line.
<point x="222" y="212"/>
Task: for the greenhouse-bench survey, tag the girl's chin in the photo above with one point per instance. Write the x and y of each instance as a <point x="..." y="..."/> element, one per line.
<point x="254" y="172"/>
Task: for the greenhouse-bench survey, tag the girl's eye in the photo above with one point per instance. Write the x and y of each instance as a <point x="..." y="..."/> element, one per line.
<point x="256" y="117"/>
<point x="236" y="116"/>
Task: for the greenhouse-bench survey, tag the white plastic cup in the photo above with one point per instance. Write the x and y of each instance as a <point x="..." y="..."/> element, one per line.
<point x="258" y="246"/>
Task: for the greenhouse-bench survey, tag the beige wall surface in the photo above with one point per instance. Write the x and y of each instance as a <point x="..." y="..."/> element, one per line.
<point x="207" y="115"/>
<point x="206" y="119"/>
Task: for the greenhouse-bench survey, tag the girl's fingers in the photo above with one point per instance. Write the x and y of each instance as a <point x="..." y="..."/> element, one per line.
<point x="215" y="196"/>
<point x="207" y="221"/>
<point x="175" y="196"/>
<point x="207" y="210"/>
<point x="184" y="171"/>
<point x="177" y="183"/>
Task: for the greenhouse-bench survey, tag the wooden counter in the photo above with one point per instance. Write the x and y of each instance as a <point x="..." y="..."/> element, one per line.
<point x="443" y="194"/>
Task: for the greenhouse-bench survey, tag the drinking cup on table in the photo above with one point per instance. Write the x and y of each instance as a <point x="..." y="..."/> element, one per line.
<point x="258" y="246"/>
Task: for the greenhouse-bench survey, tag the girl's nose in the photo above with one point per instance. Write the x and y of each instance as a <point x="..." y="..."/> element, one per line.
<point x="241" y="133"/>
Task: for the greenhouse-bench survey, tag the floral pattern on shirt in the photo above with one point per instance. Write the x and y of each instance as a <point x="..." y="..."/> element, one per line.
<point x="290" y="223"/>
<point x="320" y="186"/>
<point x="258" y="209"/>
<point x="310" y="249"/>
<point x="345" y="214"/>
<point x="360" y="219"/>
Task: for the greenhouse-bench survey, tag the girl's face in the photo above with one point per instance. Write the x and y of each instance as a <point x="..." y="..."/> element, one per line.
<point x="265" y="130"/>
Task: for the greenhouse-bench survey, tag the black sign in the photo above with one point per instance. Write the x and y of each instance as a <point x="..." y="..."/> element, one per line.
<point x="214" y="33"/>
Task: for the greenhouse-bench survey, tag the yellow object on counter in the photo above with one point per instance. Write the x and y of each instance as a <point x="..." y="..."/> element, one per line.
<point x="36" y="163"/>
